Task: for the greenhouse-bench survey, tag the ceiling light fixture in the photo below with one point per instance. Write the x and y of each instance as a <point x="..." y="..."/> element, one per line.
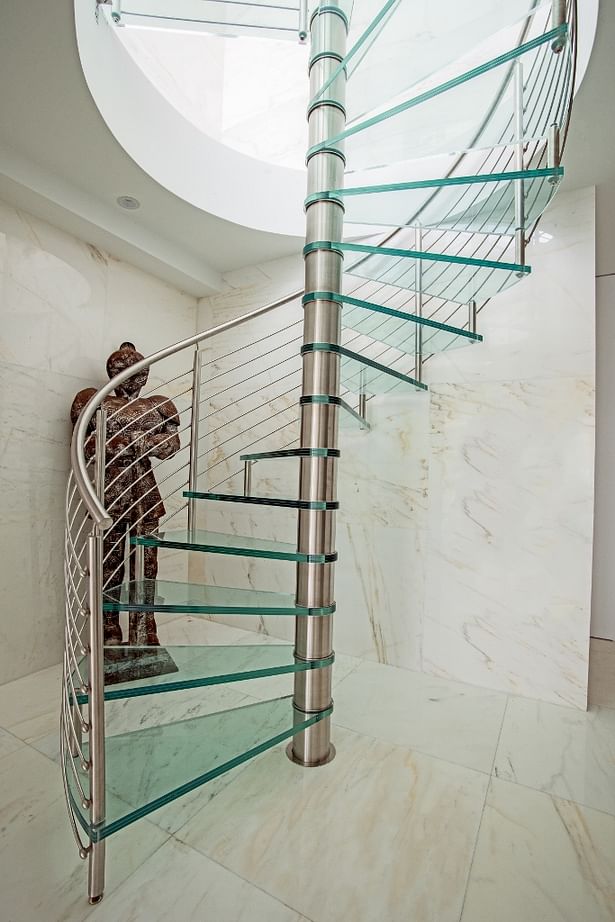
<point x="129" y="202"/>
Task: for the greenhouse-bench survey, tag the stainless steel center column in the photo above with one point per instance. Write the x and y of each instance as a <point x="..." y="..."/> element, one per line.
<point x="320" y="392"/>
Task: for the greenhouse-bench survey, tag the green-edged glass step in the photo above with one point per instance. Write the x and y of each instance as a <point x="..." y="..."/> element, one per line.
<point x="197" y="599"/>
<point x="292" y="453"/>
<point x="446" y="118"/>
<point x="261" y="500"/>
<point x="453" y="278"/>
<point x="274" y="19"/>
<point x="396" y="328"/>
<point x="212" y="542"/>
<point x="131" y="672"/>
<point x="149" y="768"/>
<point x="482" y="203"/>
<point x="379" y="64"/>
<point x="361" y="374"/>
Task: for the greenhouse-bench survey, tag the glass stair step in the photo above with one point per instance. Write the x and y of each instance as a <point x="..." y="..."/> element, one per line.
<point x="348" y="419"/>
<point x="292" y="453"/>
<point x="261" y="500"/>
<point x="452" y="116"/>
<point x="131" y="672"/>
<point x="152" y="767"/>
<point x="273" y="19"/>
<point x="396" y="328"/>
<point x="455" y="278"/>
<point x="211" y="542"/>
<point x="197" y="599"/>
<point x="481" y="204"/>
<point x="378" y="65"/>
<point x="363" y="375"/>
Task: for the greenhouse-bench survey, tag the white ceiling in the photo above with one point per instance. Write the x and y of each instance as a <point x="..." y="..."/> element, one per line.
<point x="59" y="160"/>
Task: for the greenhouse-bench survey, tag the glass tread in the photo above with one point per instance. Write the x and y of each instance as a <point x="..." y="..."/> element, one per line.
<point x="360" y="374"/>
<point x="480" y="203"/>
<point x="378" y="65"/>
<point x="446" y="118"/>
<point x="397" y="329"/>
<point x="198" y="599"/>
<point x="454" y="278"/>
<point x="132" y="672"/>
<point x="292" y="453"/>
<point x="261" y="500"/>
<point x="211" y="542"/>
<point x="149" y="768"/>
<point x="274" y="19"/>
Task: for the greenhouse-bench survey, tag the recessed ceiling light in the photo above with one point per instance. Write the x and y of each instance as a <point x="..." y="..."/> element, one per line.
<point x="129" y="202"/>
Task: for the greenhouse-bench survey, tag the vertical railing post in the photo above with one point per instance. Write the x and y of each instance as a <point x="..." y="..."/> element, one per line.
<point x="321" y="378"/>
<point x="519" y="184"/>
<point x="362" y="396"/>
<point x="193" y="462"/>
<point x="418" y="288"/>
<point x="558" y="18"/>
<point x="247" y="478"/>
<point x="303" y="21"/>
<point x="96" y="707"/>
<point x="472" y="312"/>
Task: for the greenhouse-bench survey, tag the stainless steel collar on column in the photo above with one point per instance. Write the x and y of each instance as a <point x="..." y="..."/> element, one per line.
<point x="321" y="379"/>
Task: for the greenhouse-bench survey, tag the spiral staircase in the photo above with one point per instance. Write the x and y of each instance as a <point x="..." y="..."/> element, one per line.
<point x="426" y="177"/>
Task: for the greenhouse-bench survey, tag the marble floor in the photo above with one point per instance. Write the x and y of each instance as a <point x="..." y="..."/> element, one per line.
<point x="446" y="803"/>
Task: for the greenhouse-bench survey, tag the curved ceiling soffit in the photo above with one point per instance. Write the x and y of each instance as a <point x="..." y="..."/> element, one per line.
<point x="198" y="169"/>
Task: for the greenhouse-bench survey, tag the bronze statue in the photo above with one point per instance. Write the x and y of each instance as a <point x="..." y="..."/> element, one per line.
<point x="138" y="429"/>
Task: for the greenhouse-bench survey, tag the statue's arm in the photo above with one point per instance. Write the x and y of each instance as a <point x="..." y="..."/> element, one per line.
<point x="164" y="442"/>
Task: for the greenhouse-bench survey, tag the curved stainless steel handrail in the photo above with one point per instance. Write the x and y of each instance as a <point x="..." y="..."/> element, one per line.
<point x="101" y="519"/>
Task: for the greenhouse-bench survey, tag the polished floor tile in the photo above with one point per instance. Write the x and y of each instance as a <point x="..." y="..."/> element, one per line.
<point x="541" y="859"/>
<point x="41" y="875"/>
<point x="564" y="752"/>
<point x="182" y="885"/>
<point x="434" y="716"/>
<point x="9" y="743"/>
<point x="30" y="706"/>
<point x="381" y="833"/>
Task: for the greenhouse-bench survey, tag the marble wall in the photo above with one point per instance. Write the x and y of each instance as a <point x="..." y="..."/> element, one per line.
<point x="64" y="306"/>
<point x="465" y="528"/>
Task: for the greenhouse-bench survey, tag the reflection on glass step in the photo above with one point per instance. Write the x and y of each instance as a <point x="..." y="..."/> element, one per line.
<point x="363" y="375"/>
<point x="212" y="542"/>
<point x="446" y="118"/>
<point x="148" y="768"/>
<point x="139" y="671"/>
<point x="396" y="328"/>
<point x="378" y="65"/>
<point x="482" y="204"/>
<point x="261" y="500"/>
<point x="454" y="278"/>
<point x="194" y="598"/>
<point x="274" y="19"/>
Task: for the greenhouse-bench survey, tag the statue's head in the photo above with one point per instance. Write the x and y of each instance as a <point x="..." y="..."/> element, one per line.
<point x="121" y="359"/>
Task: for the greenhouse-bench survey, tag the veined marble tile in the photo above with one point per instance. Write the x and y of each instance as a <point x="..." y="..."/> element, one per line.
<point x="541" y="859"/>
<point x="42" y="875"/>
<point x="181" y="884"/>
<point x="440" y="718"/>
<point x="561" y="751"/>
<point x="510" y="536"/>
<point x="543" y="326"/>
<point x="30" y="706"/>
<point x="377" y="826"/>
<point x="52" y="309"/>
<point x="9" y="744"/>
